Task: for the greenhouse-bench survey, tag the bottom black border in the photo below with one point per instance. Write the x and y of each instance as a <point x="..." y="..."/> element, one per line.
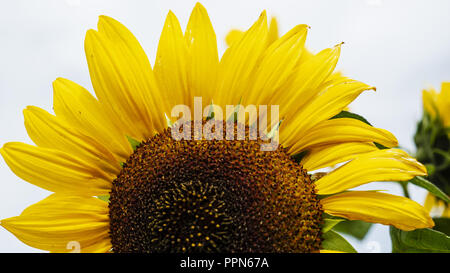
<point x="221" y="262"/>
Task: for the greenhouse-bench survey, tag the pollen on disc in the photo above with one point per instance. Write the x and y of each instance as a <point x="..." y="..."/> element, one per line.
<point x="213" y="196"/>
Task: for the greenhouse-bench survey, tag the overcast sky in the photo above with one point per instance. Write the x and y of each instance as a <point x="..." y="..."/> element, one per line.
<point x="398" y="46"/>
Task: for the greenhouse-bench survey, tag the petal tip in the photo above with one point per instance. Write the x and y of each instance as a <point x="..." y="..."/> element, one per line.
<point x="104" y="17"/>
<point x="58" y="82"/>
<point x="337" y="48"/>
<point x="91" y="34"/>
<point x="2" y="222"/>
<point x="171" y="20"/>
<point x="199" y="6"/>
<point x="301" y="28"/>
<point x="263" y="13"/>
<point x="106" y="21"/>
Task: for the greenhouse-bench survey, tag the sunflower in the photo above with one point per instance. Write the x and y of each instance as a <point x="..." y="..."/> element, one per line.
<point x="122" y="183"/>
<point x="433" y="144"/>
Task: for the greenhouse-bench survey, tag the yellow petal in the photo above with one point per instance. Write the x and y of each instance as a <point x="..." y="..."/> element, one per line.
<point x="81" y="110"/>
<point x="61" y="223"/>
<point x="171" y="63"/>
<point x="430" y="202"/>
<point x="381" y="165"/>
<point x="429" y="99"/>
<point x="119" y="84"/>
<point x="446" y="212"/>
<point x="304" y="83"/>
<point x="54" y="170"/>
<point x="336" y="78"/>
<point x="340" y="130"/>
<point x="277" y="64"/>
<point x="376" y="207"/>
<point x="436" y="207"/>
<point x="203" y="60"/>
<point x="273" y="34"/>
<point x="239" y="62"/>
<point x="445" y="90"/>
<point x="330" y="251"/>
<point x="48" y="131"/>
<point x="443" y="103"/>
<point x="273" y="31"/>
<point x="324" y="106"/>
<point x="330" y="155"/>
<point x="305" y="56"/>
<point x="438" y="104"/>
<point x="140" y="81"/>
<point x="233" y="36"/>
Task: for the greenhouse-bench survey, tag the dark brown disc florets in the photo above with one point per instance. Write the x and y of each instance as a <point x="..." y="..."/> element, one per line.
<point x="213" y="196"/>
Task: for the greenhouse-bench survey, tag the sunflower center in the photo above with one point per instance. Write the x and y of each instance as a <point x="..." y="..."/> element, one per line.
<point x="213" y="196"/>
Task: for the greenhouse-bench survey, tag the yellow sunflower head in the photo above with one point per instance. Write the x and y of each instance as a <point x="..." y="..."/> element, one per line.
<point x="122" y="182"/>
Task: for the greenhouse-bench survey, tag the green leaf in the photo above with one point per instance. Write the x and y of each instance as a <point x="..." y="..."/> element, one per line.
<point x="419" y="241"/>
<point x="133" y="142"/>
<point x="329" y="223"/>
<point x="347" y="114"/>
<point x="442" y="225"/>
<point x="423" y="183"/>
<point x="333" y="241"/>
<point x="357" y="229"/>
<point x="104" y="198"/>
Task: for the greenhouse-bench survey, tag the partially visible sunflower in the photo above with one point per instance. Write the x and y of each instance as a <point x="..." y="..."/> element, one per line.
<point x="199" y="195"/>
<point x="433" y="145"/>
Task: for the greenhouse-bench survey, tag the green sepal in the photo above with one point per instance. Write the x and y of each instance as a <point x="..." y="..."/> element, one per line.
<point x="380" y="146"/>
<point x="419" y="241"/>
<point x="433" y="189"/>
<point x="133" y="142"/>
<point x="329" y="223"/>
<point x="355" y="228"/>
<point x="331" y="240"/>
<point x="298" y="157"/>
<point x="347" y="114"/>
<point x="104" y="198"/>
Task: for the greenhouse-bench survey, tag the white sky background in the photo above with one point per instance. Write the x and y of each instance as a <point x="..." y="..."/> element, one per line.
<point x="398" y="46"/>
